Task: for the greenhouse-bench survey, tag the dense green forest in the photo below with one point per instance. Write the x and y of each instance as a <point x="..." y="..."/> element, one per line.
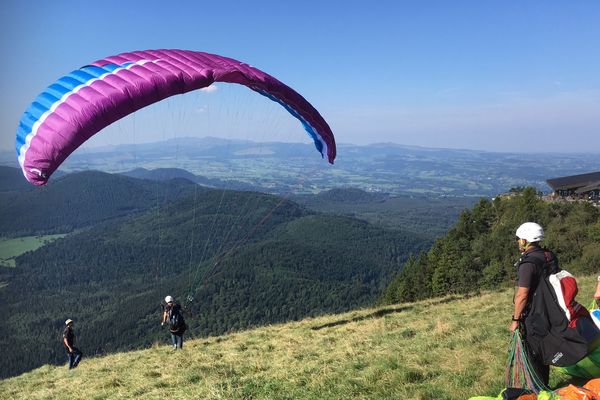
<point x="11" y="179"/>
<point x="79" y="200"/>
<point x="426" y="216"/>
<point x="480" y="250"/>
<point x="245" y="258"/>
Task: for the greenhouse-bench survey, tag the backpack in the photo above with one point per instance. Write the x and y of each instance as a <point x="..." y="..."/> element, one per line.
<point x="550" y="328"/>
<point x="565" y="289"/>
<point x="176" y="320"/>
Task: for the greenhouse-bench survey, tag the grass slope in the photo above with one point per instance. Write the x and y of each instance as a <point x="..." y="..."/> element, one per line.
<point x="445" y="348"/>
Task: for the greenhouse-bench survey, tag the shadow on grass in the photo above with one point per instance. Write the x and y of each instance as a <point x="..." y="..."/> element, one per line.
<point x="386" y="311"/>
<point x="376" y="314"/>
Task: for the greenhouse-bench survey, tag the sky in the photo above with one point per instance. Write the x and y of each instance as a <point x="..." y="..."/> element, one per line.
<point x="508" y="76"/>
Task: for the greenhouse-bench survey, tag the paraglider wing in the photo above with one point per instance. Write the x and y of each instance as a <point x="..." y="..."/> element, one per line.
<point x="82" y="103"/>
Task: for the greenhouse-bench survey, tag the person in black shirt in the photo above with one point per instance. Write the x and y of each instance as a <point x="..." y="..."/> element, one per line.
<point x="551" y="335"/>
<point x="529" y="235"/>
<point x="173" y="316"/>
<point x="69" y="342"/>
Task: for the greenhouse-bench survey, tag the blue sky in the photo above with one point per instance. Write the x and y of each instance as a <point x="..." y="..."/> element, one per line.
<point x="493" y="75"/>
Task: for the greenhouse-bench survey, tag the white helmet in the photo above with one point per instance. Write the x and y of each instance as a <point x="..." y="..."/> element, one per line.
<point x="168" y="299"/>
<point x="531" y="232"/>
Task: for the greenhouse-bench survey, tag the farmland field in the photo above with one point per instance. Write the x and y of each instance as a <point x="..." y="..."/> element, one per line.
<point x="14" y="247"/>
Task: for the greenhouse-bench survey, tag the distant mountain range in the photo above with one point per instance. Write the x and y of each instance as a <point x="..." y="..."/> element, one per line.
<point x="81" y="199"/>
<point x="165" y="174"/>
<point x="297" y="168"/>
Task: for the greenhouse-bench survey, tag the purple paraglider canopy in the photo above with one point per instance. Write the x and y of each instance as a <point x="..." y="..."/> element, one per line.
<point x="82" y="103"/>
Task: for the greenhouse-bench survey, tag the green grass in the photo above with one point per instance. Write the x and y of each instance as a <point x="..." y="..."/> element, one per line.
<point x="12" y="248"/>
<point x="443" y="349"/>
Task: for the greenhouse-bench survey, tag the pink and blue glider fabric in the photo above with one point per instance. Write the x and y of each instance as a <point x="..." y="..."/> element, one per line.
<point x="82" y="103"/>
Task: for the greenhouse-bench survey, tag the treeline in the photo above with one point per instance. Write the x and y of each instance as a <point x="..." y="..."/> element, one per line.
<point x="245" y="259"/>
<point x="480" y="251"/>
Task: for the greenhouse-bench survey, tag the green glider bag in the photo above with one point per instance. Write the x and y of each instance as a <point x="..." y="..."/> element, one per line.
<point x="589" y="367"/>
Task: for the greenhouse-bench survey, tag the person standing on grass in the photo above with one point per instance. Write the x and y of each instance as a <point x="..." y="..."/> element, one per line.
<point x="172" y="315"/>
<point x="549" y="336"/>
<point x="529" y="235"/>
<point x="73" y="352"/>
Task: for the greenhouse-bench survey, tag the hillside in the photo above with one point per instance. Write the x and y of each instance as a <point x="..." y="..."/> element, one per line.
<point x="479" y="251"/>
<point x="82" y="199"/>
<point x="11" y="179"/>
<point x="447" y="348"/>
<point x="246" y="258"/>
<point x="426" y="216"/>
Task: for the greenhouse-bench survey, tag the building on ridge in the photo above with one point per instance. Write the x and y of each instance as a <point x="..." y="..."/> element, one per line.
<point x="577" y="187"/>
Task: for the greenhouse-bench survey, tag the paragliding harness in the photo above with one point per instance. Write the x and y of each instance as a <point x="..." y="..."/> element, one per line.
<point x="547" y="327"/>
<point x="176" y="321"/>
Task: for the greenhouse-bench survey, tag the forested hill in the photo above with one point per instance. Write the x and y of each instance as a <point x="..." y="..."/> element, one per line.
<point x="246" y="259"/>
<point x="425" y="216"/>
<point x="479" y="252"/>
<point x="81" y="199"/>
<point x="12" y="179"/>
